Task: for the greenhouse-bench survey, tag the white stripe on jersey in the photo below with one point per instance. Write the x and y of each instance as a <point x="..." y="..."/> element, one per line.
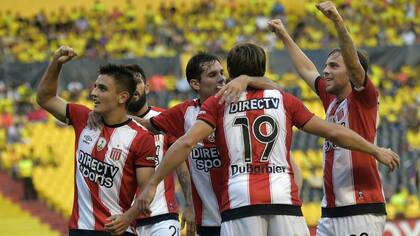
<point x="342" y="173"/>
<point x="279" y="153"/>
<point x="84" y="199"/>
<point x="201" y="179"/>
<point x="125" y="136"/>
<point x="237" y="184"/>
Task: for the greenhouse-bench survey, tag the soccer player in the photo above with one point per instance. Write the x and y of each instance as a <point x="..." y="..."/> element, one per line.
<point x="205" y="75"/>
<point x="257" y="192"/>
<point x="110" y="162"/>
<point x="353" y="202"/>
<point x="163" y="219"/>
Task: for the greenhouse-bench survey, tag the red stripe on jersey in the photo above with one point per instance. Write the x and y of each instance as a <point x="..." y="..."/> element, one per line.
<point x="220" y="176"/>
<point x="328" y="170"/>
<point x="294" y="191"/>
<point x="328" y="183"/>
<point x="259" y="183"/>
<point x="170" y="193"/>
<point x="75" y="213"/>
<point x="363" y="164"/>
<point x="169" y="181"/>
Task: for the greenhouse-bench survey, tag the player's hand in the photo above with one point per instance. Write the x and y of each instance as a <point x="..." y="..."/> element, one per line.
<point x="188" y="217"/>
<point x="277" y="27"/>
<point x="230" y="92"/>
<point x="64" y="54"/>
<point x="117" y="224"/>
<point x="387" y="157"/>
<point x="329" y="10"/>
<point x="145" y="198"/>
<point x="94" y="121"/>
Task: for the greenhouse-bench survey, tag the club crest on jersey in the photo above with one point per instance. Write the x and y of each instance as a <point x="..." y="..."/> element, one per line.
<point x="101" y="144"/>
<point x="340" y="114"/>
<point x="115" y="154"/>
<point x="212" y="137"/>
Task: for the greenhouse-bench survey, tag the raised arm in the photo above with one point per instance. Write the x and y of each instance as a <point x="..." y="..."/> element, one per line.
<point x="46" y="95"/>
<point x="188" y="216"/>
<point x="348" y="51"/>
<point x="349" y="139"/>
<point x="304" y="66"/>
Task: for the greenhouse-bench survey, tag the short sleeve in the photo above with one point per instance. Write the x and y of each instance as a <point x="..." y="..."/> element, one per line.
<point x="298" y="112"/>
<point x="145" y="150"/>
<point x="77" y="115"/>
<point x="321" y="90"/>
<point x="170" y="121"/>
<point x="367" y="95"/>
<point x="208" y="112"/>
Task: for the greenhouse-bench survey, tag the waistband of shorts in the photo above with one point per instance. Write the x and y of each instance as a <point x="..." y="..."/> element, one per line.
<point x="261" y="209"/>
<point x="352" y="210"/>
<point x="208" y="230"/>
<point x="156" y="219"/>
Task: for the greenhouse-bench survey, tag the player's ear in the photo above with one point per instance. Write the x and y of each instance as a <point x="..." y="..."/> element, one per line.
<point x="123" y="97"/>
<point x="195" y="84"/>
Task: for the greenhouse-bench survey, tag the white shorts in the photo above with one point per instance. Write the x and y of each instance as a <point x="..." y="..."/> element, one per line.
<point x="360" y="225"/>
<point x="270" y="225"/>
<point x="163" y="228"/>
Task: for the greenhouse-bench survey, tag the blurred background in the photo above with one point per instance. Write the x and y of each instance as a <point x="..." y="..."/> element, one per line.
<point x="161" y="36"/>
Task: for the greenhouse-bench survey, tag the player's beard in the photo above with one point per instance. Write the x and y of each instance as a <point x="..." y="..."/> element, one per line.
<point x="135" y="106"/>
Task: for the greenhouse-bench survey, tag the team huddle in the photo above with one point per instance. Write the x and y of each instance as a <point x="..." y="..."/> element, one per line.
<point x="230" y="147"/>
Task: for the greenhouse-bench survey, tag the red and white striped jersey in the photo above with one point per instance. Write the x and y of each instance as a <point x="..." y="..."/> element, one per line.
<point x="204" y="162"/>
<point x="254" y="137"/>
<point x="164" y="201"/>
<point x="351" y="178"/>
<point x="105" y="168"/>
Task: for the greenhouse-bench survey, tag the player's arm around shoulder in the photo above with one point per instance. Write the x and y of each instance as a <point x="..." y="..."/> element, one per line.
<point x="47" y="90"/>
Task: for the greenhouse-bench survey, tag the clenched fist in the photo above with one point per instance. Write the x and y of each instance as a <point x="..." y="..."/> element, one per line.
<point x="64" y="54"/>
<point x="329" y="10"/>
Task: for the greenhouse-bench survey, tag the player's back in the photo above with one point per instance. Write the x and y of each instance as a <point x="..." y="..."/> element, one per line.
<point x="164" y="204"/>
<point x="254" y="137"/>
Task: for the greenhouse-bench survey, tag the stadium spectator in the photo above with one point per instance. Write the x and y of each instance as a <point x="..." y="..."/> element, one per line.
<point x="25" y="168"/>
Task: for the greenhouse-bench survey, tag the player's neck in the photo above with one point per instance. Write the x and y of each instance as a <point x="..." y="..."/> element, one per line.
<point x="143" y="110"/>
<point x="115" y="117"/>
<point x="342" y="94"/>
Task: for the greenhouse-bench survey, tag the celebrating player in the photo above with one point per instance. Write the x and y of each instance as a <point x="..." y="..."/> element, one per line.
<point x="353" y="201"/>
<point x="110" y="162"/>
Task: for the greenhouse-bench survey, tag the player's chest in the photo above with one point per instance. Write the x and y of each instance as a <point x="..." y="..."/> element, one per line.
<point x="105" y="145"/>
<point x="338" y="113"/>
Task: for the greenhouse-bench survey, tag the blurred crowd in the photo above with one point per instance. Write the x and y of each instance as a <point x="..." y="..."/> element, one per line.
<point x="175" y="26"/>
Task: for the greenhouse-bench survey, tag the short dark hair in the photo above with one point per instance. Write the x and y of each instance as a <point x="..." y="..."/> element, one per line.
<point x="195" y="65"/>
<point x="122" y="76"/>
<point x="136" y="69"/>
<point x="361" y="54"/>
<point x="246" y="59"/>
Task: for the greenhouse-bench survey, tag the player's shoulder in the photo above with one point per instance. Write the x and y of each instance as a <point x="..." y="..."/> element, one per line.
<point x="182" y="107"/>
<point x="157" y="109"/>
